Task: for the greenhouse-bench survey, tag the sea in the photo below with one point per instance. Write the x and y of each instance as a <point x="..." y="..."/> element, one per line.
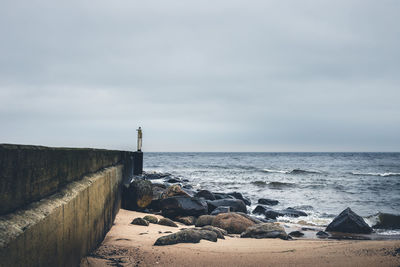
<point x="321" y="184"/>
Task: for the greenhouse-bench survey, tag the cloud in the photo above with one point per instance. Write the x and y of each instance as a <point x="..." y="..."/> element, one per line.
<point x="201" y="76"/>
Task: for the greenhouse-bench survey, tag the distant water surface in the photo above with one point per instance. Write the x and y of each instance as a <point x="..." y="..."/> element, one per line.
<point x="323" y="184"/>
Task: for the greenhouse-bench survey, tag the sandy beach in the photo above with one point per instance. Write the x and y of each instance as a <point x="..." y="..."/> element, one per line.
<point x="132" y="245"/>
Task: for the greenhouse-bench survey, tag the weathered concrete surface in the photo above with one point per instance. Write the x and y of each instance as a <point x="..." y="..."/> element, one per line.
<point x="60" y="229"/>
<point x="30" y="173"/>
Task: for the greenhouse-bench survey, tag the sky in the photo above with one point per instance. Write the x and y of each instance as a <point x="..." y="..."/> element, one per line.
<point x="201" y="75"/>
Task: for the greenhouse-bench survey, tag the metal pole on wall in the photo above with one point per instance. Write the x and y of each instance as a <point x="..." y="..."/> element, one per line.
<point x="138" y="155"/>
<point x="139" y="139"/>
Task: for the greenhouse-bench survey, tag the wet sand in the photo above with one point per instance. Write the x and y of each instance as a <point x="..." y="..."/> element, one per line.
<point x="132" y="245"/>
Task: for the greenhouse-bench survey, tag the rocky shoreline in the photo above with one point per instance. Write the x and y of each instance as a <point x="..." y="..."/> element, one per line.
<point x="216" y="214"/>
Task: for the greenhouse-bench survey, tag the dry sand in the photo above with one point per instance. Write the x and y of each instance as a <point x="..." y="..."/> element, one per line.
<point x="132" y="245"/>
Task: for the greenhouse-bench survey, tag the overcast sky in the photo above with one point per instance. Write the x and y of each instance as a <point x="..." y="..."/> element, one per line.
<point x="201" y="75"/>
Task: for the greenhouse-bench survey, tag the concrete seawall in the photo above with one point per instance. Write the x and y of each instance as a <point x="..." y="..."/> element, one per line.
<point x="58" y="222"/>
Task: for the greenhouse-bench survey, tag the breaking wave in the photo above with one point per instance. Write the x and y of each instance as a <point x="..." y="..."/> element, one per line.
<point x="294" y="171"/>
<point x="386" y="174"/>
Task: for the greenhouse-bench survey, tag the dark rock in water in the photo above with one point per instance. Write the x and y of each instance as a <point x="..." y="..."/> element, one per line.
<point x="234" y="204"/>
<point x="322" y="234"/>
<point x="185" y="180"/>
<point x="387" y="221"/>
<point x="267" y="201"/>
<point x="232" y="222"/>
<point x="155" y="175"/>
<point x="183" y="206"/>
<point x="151" y="219"/>
<point x="140" y="221"/>
<point x="187" y="186"/>
<point x="222" y="196"/>
<point x="260" y="209"/>
<point x="186" y="236"/>
<point x="238" y="195"/>
<point x="167" y="222"/>
<point x="296" y="234"/>
<point x="138" y="195"/>
<point x="205" y="194"/>
<point x="187" y="220"/>
<point x="265" y="230"/>
<point x="204" y="220"/>
<point x="349" y="222"/>
<point x="290" y="212"/>
<point x="221" y="209"/>
<point x="220" y="232"/>
<point x="173" y="191"/>
<point x="173" y="180"/>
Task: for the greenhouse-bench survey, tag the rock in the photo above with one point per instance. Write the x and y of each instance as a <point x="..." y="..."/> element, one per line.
<point x="158" y="190"/>
<point x="251" y="218"/>
<point x="154" y="175"/>
<point x="173" y="191"/>
<point x="183" y="206"/>
<point x="205" y="194"/>
<point x="138" y="195"/>
<point x="186" y="236"/>
<point x="265" y="230"/>
<point x="322" y="234"/>
<point x="173" y="180"/>
<point x="232" y="222"/>
<point x="222" y="196"/>
<point x="220" y="232"/>
<point x="204" y="220"/>
<point x="290" y="212"/>
<point x="296" y="234"/>
<point x="187" y="186"/>
<point x="267" y="201"/>
<point x="167" y="222"/>
<point x="221" y="209"/>
<point x="234" y="204"/>
<point x="140" y="221"/>
<point x="387" y="221"/>
<point x="260" y="209"/>
<point x="238" y="195"/>
<point x="187" y="220"/>
<point x="349" y="222"/>
<point x="151" y="219"/>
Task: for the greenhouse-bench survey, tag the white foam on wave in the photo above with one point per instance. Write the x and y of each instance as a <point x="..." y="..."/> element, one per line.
<point x="275" y="171"/>
<point x="386" y="174"/>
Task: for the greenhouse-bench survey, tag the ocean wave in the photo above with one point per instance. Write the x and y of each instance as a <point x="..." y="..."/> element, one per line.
<point x="294" y="171"/>
<point x="386" y="174"/>
<point x="278" y="185"/>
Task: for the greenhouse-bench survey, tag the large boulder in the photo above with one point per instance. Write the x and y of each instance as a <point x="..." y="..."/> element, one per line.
<point x="232" y="222"/>
<point x="204" y="220"/>
<point x="158" y="190"/>
<point x="387" y="221"/>
<point x="222" y="196"/>
<point x="205" y="194"/>
<point x="221" y="209"/>
<point x="238" y="195"/>
<point x="267" y="201"/>
<point x="260" y="209"/>
<point x="234" y="204"/>
<point x="349" y="222"/>
<point x="186" y="236"/>
<point x="183" y="206"/>
<point x="265" y="230"/>
<point x="290" y="212"/>
<point x="138" y="195"/>
<point x="173" y="191"/>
